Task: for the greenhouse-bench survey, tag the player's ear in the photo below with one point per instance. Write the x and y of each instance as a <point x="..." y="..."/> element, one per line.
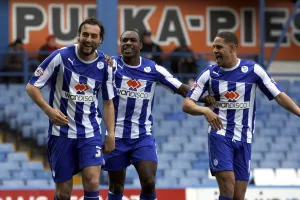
<point x="232" y="48"/>
<point x="141" y="45"/>
<point x="77" y="38"/>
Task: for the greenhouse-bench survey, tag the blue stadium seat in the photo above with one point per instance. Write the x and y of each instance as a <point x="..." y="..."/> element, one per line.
<point x="17" y="156"/>
<point x="260" y="146"/>
<point x="274" y="155"/>
<point x="198" y="173"/>
<point x="254" y="164"/>
<point x="167" y="182"/>
<point x="263" y="139"/>
<point x="178" y="139"/>
<point x="209" y="182"/>
<point x="203" y="156"/>
<point x="42" y="138"/>
<point x="4" y="102"/>
<point x="171" y="148"/>
<point x="283" y="139"/>
<point x="200" y="165"/>
<point x="175" y="172"/>
<point x="13" y="183"/>
<point x="200" y="139"/>
<point x="284" y="84"/>
<point x="23" y="174"/>
<point x="290" y="164"/>
<point x="290" y="131"/>
<point x="175" y="116"/>
<point x="42" y="174"/>
<point x="259" y="124"/>
<point x="160" y="139"/>
<point x="25" y="119"/>
<point x="295" y="147"/>
<point x="160" y="173"/>
<point x="163" y="131"/>
<point x="280" y="147"/>
<point x="163" y="165"/>
<point x="178" y="164"/>
<point x="270" y="124"/>
<point x="293" y="156"/>
<point x="6" y="147"/>
<point x="40" y="183"/>
<point x="194" y="122"/>
<point x="5" y="175"/>
<point x="187" y="156"/>
<point x="26" y="131"/>
<point x="269" y="132"/>
<point x="193" y="147"/>
<point x="185" y="131"/>
<point x="39" y="126"/>
<point x="269" y="164"/>
<point x="2" y="157"/>
<point x="189" y="182"/>
<point x="32" y="166"/>
<point x="257" y="156"/>
<point x="166" y="156"/>
<point x="165" y="108"/>
<point x="12" y="166"/>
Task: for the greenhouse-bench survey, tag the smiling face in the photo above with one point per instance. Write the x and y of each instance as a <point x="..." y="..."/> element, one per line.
<point x="223" y="51"/>
<point x="130" y="44"/>
<point x="89" y="39"/>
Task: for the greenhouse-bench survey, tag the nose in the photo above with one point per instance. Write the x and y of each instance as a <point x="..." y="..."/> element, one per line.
<point x="128" y="42"/>
<point x="88" y="39"/>
<point x="215" y="50"/>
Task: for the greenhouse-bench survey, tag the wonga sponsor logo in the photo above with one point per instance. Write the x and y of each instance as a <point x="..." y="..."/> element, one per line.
<point x="134" y="84"/>
<point x="81" y="87"/>
<point x="232" y="95"/>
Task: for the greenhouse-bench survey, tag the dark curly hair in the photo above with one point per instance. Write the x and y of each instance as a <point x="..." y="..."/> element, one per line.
<point x="93" y="21"/>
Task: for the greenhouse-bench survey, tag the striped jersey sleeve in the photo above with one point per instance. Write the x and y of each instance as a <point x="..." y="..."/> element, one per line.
<point x="200" y="86"/>
<point x="167" y="79"/>
<point x="108" y="89"/>
<point x="266" y="84"/>
<point x="46" y="70"/>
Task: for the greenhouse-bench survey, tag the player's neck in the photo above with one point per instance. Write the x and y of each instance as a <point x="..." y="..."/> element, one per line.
<point x="91" y="57"/>
<point x="133" y="61"/>
<point x="231" y="63"/>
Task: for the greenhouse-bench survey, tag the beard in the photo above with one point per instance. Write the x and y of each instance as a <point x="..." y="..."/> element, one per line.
<point x="87" y="49"/>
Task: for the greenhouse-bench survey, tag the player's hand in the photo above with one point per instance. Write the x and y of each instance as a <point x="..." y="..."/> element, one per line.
<point x="109" y="60"/>
<point x="109" y="144"/>
<point x="210" y="101"/>
<point x="213" y="119"/>
<point x="57" y="117"/>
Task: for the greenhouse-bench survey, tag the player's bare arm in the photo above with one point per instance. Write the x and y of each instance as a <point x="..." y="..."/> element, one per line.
<point x="287" y="103"/>
<point x="183" y="90"/>
<point x="109" y="120"/>
<point x="207" y="100"/>
<point x="189" y="106"/>
<point x="55" y="116"/>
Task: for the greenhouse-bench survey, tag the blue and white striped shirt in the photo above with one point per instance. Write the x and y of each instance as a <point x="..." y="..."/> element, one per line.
<point x="75" y="85"/>
<point x="135" y="93"/>
<point x="235" y="92"/>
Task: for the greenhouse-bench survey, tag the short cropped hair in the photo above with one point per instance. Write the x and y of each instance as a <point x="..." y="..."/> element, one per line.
<point x="93" y="21"/>
<point x="133" y="30"/>
<point x="229" y="37"/>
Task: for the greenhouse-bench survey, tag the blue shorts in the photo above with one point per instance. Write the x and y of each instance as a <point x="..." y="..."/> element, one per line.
<point x="130" y="151"/>
<point x="68" y="156"/>
<point x="226" y="154"/>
